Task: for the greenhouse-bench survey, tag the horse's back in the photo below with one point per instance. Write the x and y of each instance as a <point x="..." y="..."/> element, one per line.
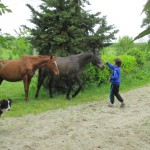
<point x="9" y="63"/>
<point x="10" y="70"/>
<point x="67" y="65"/>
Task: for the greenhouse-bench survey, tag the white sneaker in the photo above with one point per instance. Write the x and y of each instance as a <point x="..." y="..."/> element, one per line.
<point x="122" y="105"/>
<point x="110" y="105"/>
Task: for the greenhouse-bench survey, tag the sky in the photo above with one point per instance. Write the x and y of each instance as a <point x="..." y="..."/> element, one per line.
<point x="125" y="15"/>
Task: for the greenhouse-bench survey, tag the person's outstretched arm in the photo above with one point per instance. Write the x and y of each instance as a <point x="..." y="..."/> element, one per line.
<point x="110" y="65"/>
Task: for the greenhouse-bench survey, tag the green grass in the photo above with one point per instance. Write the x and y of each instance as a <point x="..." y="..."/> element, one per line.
<point x="44" y="103"/>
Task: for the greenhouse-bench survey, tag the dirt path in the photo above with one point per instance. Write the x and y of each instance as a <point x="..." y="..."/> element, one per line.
<point x="91" y="126"/>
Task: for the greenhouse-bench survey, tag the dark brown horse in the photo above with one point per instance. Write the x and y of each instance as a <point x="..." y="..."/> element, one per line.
<point x="24" y="69"/>
<point x="70" y="67"/>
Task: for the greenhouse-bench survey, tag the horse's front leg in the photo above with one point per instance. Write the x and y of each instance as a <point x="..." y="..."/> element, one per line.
<point x="53" y="79"/>
<point x="50" y="87"/>
<point x="70" y="83"/>
<point x="57" y="81"/>
<point x="80" y="86"/>
<point x="26" y="81"/>
<point x="41" y="78"/>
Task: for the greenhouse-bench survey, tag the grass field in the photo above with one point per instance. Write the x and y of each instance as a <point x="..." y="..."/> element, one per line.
<point x="44" y="103"/>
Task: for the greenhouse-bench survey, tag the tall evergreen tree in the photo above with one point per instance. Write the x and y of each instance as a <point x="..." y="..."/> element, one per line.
<point x="63" y="27"/>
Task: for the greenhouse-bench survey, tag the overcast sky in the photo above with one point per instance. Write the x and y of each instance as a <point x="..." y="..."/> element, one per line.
<point x="124" y="14"/>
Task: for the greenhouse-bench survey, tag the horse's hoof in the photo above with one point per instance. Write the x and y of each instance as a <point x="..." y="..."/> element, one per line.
<point x="73" y="95"/>
<point x="26" y="100"/>
<point x="69" y="99"/>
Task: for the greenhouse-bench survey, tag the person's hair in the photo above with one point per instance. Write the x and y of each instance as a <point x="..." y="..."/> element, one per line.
<point x="118" y="61"/>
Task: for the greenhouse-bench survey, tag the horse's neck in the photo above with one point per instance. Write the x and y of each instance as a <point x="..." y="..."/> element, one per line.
<point x="84" y="59"/>
<point x="36" y="62"/>
<point x="40" y="63"/>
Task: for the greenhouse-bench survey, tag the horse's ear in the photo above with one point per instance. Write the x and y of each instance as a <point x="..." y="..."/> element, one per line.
<point x="95" y="50"/>
<point x="52" y="57"/>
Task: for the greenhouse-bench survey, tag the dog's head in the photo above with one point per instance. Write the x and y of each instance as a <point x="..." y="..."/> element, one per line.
<point x="5" y="105"/>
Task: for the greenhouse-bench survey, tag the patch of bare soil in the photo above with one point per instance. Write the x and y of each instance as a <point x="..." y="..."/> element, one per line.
<point x="89" y="126"/>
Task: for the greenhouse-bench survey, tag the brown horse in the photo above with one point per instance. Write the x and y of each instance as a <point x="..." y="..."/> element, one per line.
<point x="24" y="69"/>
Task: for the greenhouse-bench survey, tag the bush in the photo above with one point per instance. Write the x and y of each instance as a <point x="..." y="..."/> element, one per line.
<point x="89" y="74"/>
<point x="124" y="44"/>
<point x="109" y="51"/>
<point x="93" y="75"/>
<point x="138" y="54"/>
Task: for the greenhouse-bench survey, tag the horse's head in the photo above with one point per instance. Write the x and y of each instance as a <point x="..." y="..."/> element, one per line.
<point x="96" y="60"/>
<point x="52" y="65"/>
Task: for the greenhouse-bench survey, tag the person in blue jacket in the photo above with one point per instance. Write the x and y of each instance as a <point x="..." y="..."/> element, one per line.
<point x="115" y="82"/>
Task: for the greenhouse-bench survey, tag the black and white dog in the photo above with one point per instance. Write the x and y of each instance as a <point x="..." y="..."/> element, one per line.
<point x="5" y="105"/>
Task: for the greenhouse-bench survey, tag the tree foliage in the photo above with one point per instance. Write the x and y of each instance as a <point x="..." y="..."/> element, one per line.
<point x="63" y="27"/>
<point x="3" y="8"/>
<point x="124" y="44"/>
<point x="146" y="21"/>
<point x="19" y="45"/>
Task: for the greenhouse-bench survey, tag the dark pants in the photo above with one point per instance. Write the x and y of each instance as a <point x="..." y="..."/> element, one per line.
<point x="114" y="91"/>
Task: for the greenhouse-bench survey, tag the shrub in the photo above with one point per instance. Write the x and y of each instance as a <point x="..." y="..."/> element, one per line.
<point x="109" y="51"/>
<point x="94" y="75"/>
<point x="124" y="44"/>
<point x="138" y="54"/>
<point x="89" y="74"/>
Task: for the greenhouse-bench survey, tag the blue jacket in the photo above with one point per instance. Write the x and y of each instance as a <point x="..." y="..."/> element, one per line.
<point x="115" y="76"/>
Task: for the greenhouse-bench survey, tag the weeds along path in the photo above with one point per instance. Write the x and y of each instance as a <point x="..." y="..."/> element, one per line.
<point x="89" y="126"/>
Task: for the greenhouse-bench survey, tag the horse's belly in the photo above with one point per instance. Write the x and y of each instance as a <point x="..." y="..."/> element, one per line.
<point x="10" y="74"/>
<point x="10" y="79"/>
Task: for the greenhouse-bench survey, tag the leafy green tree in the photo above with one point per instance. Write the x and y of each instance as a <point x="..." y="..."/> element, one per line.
<point x="63" y="27"/>
<point x="3" y="8"/>
<point x="19" y="45"/>
<point x="146" y="21"/>
<point x="124" y="44"/>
